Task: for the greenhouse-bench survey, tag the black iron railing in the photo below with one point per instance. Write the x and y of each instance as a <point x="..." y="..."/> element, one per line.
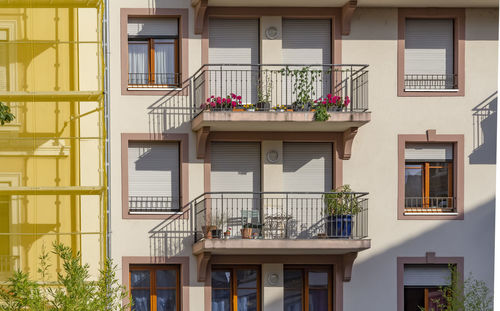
<point x="153" y="80"/>
<point x="280" y="215"/>
<point x="431" y="81"/>
<point x="153" y="204"/>
<point x="430" y="205"/>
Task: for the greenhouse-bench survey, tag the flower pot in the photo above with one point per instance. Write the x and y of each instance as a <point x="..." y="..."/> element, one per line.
<point x="251" y="109"/>
<point x="335" y="108"/>
<point x="265" y="106"/>
<point x="238" y="109"/>
<point x="227" y="234"/>
<point x="246" y="233"/>
<point x="207" y="231"/>
<point x="338" y="226"/>
<point x="216" y="233"/>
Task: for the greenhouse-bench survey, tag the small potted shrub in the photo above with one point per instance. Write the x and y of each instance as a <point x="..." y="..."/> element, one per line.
<point x="341" y="205"/>
<point x="246" y="231"/>
<point x="304" y="83"/>
<point x="264" y="91"/>
<point x="230" y="102"/>
<point x="332" y="102"/>
<point x="227" y="233"/>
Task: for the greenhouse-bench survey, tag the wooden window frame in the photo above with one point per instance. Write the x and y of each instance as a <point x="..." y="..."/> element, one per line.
<point x="425" y="167"/>
<point x="305" y="282"/>
<point x="458" y="17"/>
<point x="152" y="282"/>
<point x="234" y="285"/>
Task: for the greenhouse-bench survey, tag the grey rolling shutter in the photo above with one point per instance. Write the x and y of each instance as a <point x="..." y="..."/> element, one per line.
<point x="427" y="275"/>
<point x="429" y="47"/>
<point x="4" y="60"/>
<point x="152" y="26"/>
<point x="306" y="41"/>
<point x="307" y="167"/>
<point x="235" y="167"/>
<point x="153" y="176"/>
<point x="428" y="152"/>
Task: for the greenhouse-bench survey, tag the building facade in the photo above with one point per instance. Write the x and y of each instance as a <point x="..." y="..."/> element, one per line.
<point x="233" y="121"/>
<point x="52" y="172"/>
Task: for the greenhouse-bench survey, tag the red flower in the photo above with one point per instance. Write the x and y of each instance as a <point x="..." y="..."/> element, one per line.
<point x="218" y="100"/>
<point x="238" y="97"/>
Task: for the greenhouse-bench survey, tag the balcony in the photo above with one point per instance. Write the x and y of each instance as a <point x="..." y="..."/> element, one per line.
<point x="280" y="223"/>
<point x="431" y="82"/>
<point x="280" y="97"/>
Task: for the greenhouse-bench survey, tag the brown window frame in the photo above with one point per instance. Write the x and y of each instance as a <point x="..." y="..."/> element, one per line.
<point x="425" y="167"/>
<point x="305" y="285"/>
<point x="233" y="289"/>
<point x="152" y="282"/>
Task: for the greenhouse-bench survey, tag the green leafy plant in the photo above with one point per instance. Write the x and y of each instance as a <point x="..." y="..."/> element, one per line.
<point x="73" y="289"/>
<point x="469" y="295"/>
<point x="321" y="114"/>
<point x="342" y="201"/>
<point x="5" y="115"/>
<point x="303" y="85"/>
<point x="264" y="88"/>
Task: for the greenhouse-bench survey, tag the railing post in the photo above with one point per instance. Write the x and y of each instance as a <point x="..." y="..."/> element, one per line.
<point x="286" y="215"/>
<point x="220" y="81"/>
<point x="191" y="96"/>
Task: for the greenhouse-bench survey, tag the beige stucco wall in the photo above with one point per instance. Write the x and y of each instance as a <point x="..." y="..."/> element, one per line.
<point x="372" y="168"/>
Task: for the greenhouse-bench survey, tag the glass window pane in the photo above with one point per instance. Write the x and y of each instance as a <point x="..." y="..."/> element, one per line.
<point x="414" y="298"/>
<point x="165" y="62"/>
<point x="318" y="279"/>
<point x="138" y="62"/>
<point x="246" y="278"/>
<point x="221" y="300"/>
<point x="318" y="300"/>
<point x="166" y="278"/>
<point x="293" y="279"/>
<point x="438" y="181"/>
<point x="413" y="186"/>
<point x="221" y="279"/>
<point x="247" y="300"/>
<point x="166" y="300"/>
<point x="141" y="297"/>
<point x="293" y="300"/>
<point x="139" y="278"/>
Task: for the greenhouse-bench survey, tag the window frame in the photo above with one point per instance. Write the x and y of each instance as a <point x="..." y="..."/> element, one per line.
<point x="234" y="287"/>
<point x="182" y="51"/>
<point x="458" y="173"/>
<point x="152" y="282"/>
<point x="458" y="17"/>
<point x="305" y="283"/>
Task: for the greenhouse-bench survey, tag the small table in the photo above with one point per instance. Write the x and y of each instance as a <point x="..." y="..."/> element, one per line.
<point x="276" y="226"/>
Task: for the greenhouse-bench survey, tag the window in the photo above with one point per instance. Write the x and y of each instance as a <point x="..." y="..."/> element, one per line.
<point x="235" y="288"/>
<point x="308" y="289"/>
<point x="155" y="288"/>
<point x="429" y="178"/>
<point x="153" y="177"/>
<point x="153" y="52"/>
<point x="422" y="286"/>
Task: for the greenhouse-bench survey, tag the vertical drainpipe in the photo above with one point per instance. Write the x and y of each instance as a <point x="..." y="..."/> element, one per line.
<point x="105" y="46"/>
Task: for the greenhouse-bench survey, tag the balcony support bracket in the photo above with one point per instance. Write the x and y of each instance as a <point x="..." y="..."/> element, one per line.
<point x="347" y="139"/>
<point x="203" y="260"/>
<point x="347" y="12"/>
<point x="200" y="8"/>
<point x="347" y="262"/>
<point x="201" y="141"/>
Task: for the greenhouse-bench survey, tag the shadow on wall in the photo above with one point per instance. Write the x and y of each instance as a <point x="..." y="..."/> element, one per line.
<point x="451" y="238"/>
<point x="171" y="110"/>
<point x="484" y="131"/>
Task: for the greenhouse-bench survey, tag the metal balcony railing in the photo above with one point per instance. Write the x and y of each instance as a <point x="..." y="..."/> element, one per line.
<point x="280" y="215"/>
<point x="153" y="80"/>
<point x="428" y="82"/>
<point x="430" y="205"/>
<point x="153" y="204"/>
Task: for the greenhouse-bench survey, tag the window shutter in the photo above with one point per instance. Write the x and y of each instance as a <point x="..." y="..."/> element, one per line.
<point x="428" y="152"/>
<point x="306" y="41"/>
<point x="427" y="275"/>
<point x="307" y="167"/>
<point x="153" y="170"/>
<point x="152" y="26"/>
<point x="235" y="167"/>
<point x="429" y="46"/>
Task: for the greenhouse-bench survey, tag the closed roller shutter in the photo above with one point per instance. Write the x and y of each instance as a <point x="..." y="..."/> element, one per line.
<point x="152" y="26"/>
<point x="153" y="176"/>
<point x="307" y="167"/>
<point x="235" y="167"/>
<point x="428" y="152"/>
<point x="427" y="275"/>
<point x="306" y="41"/>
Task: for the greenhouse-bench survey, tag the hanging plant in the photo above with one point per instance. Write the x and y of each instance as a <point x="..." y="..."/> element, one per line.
<point x="5" y="115"/>
<point x="321" y="113"/>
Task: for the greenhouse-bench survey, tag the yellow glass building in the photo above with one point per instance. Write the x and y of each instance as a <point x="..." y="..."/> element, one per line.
<point x="52" y="156"/>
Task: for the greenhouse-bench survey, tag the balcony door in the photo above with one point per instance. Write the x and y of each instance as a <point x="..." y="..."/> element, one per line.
<point x="233" y="42"/>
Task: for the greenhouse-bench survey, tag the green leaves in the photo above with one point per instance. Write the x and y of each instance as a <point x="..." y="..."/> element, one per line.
<point x="342" y="202"/>
<point x="73" y="291"/>
<point x="304" y="80"/>
<point x="5" y="115"/>
<point x="321" y="113"/>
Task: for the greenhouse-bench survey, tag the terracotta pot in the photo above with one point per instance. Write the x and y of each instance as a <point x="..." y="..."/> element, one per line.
<point x="238" y="109"/>
<point x="246" y="233"/>
<point x="227" y="234"/>
<point x="207" y="231"/>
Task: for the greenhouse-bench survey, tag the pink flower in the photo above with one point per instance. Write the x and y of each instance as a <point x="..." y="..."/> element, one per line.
<point x="347" y="101"/>
<point x="233" y="104"/>
<point x="329" y="95"/>
<point x="239" y="101"/>
<point x="212" y="96"/>
<point x="336" y="99"/>
<point x="238" y="97"/>
<point x="316" y="101"/>
<point x="223" y="100"/>
<point x="208" y="100"/>
<point x="218" y="100"/>
<point x="212" y="104"/>
<point x="233" y="95"/>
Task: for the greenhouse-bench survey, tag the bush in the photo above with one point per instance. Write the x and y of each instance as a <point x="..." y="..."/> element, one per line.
<point x="72" y="291"/>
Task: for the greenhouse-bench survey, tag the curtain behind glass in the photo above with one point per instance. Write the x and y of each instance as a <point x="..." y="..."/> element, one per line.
<point x="138" y="63"/>
<point x="165" y="62"/>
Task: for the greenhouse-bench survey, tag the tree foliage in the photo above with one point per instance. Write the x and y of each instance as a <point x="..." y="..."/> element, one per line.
<point x="5" y="115"/>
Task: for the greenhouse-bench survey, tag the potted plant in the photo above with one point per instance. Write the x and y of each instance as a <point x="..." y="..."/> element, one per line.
<point x="341" y="205"/>
<point x="264" y="91"/>
<point x="246" y="231"/>
<point x="280" y="108"/>
<point x="303" y="86"/>
<point x="207" y="231"/>
<point x="217" y="226"/>
<point x="230" y="102"/>
<point x="332" y="102"/>
<point x="249" y="107"/>
<point x="227" y="233"/>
